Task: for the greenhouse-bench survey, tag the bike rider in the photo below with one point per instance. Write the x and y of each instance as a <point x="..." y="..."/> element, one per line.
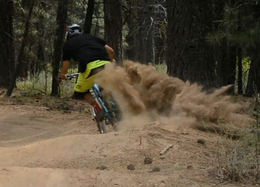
<point x="93" y="54"/>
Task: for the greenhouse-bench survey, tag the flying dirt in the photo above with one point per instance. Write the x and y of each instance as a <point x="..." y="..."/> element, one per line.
<point x="142" y="90"/>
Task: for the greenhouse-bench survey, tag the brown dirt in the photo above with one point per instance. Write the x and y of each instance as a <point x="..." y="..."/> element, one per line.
<point x="47" y="146"/>
<point x="49" y="149"/>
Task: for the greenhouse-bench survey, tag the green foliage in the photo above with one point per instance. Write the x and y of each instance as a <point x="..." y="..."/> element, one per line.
<point x="42" y="84"/>
<point x="72" y="70"/>
<point x="239" y="26"/>
<point x="161" y="68"/>
<point x="245" y="70"/>
<point x="246" y="64"/>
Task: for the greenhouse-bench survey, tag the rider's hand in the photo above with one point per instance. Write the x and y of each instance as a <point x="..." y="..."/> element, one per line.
<point x="62" y="76"/>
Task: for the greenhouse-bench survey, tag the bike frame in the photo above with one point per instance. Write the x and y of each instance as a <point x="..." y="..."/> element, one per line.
<point x="97" y="95"/>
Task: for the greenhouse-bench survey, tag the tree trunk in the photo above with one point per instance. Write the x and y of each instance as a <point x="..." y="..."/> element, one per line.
<point x="7" y="58"/>
<point x="239" y="57"/>
<point x="98" y="29"/>
<point x="160" y="15"/>
<point x="89" y="16"/>
<point x="225" y="55"/>
<point x="130" y="20"/>
<point x="159" y="49"/>
<point x="253" y="84"/>
<point x="113" y="26"/>
<point x="240" y="72"/>
<point x="137" y="35"/>
<point x="145" y="25"/>
<point x="24" y="67"/>
<point x="134" y="21"/>
<point x="189" y="55"/>
<point x="147" y="31"/>
<point x="40" y="65"/>
<point x="20" y="63"/>
<point x="221" y="52"/>
<point x="228" y="71"/>
<point x="58" y="41"/>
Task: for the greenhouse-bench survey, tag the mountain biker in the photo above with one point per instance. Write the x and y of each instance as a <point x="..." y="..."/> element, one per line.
<point x="93" y="54"/>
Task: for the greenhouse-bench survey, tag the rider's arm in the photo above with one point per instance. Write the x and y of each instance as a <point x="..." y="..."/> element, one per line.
<point x="64" y="70"/>
<point x="110" y="52"/>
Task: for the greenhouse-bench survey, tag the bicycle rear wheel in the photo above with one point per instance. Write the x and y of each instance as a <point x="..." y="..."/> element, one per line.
<point x="101" y="127"/>
<point x="114" y="114"/>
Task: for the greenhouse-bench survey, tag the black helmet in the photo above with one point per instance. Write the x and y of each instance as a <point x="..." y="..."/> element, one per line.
<point x="73" y="30"/>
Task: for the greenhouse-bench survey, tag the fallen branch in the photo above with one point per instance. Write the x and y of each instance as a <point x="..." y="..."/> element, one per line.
<point x="166" y="149"/>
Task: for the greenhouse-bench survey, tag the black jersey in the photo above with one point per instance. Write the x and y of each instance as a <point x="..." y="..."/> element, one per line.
<point x="85" y="48"/>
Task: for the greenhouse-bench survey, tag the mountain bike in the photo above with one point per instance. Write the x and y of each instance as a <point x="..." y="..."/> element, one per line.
<point x="112" y="111"/>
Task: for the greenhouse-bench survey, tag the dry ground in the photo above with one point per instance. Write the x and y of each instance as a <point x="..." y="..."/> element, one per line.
<point x="41" y="147"/>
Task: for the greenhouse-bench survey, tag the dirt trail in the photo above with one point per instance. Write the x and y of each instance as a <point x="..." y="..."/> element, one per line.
<point x="50" y="149"/>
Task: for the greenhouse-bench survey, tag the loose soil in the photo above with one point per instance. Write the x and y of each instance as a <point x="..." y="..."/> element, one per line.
<point x="45" y="147"/>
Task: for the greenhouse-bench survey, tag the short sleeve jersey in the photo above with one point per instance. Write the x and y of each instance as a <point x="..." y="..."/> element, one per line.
<point x="85" y="48"/>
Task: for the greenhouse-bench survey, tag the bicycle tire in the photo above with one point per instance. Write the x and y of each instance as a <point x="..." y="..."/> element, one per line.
<point x="116" y="109"/>
<point x="102" y="127"/>
<point x="113" y="120"/>
<point x="113" y="112"/>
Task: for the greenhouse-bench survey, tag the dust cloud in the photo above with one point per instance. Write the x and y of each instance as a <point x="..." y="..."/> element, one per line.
<point x="142" y="91"/>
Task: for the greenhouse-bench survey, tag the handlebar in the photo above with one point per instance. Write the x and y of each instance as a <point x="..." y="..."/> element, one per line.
<point x="71" y="76"/>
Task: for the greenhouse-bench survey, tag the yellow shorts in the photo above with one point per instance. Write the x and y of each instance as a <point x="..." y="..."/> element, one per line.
<point x="84" y="82"/>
